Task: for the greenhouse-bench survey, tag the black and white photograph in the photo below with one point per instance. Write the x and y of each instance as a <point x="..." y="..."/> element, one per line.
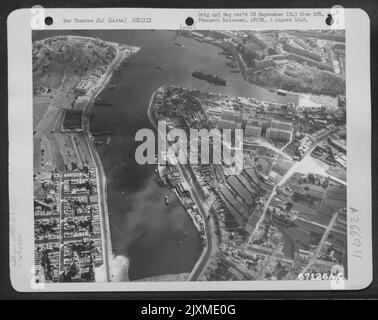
<point x="102" y="215"/>
<point x="216" y="149"/>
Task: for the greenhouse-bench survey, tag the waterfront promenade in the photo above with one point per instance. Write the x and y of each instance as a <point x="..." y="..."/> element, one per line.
<point x="100" y="172"/>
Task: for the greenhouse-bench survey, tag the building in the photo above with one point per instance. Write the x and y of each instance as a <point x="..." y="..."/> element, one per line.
<point x="253" y="128"/>
<point x="337" y="142"/>
<point x="233" y="45"/>
<point x="279" y="131"/>
<point x="264" y="64"/>
<point x="253" y="51"/>
<point x="252" y="131"/>
<point x="282" y="125"/>
<point x="72" y="120"/>
<point x="297" y="47"/>
<point x="83" y="87"/>
<point x="312" y="62"/>
<point x="341" y="160"/>
<point x="230" y="120"/>
<point x="303" y="255"/>
<point x="255" y="39"/>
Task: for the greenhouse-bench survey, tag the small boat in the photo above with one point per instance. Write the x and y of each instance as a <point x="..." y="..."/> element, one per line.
<point x="231" y="64"/>
<point x="282" y="92"/>
<point x="179" y="44"/>
<point x="166" y="199"/>
<point x="158" y="68"/>
<point x="103" y="104"/>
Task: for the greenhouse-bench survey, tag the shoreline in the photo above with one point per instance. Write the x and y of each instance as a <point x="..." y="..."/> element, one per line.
<point x="207" y="246"/>
<point x="299" y="95"/>
<point x="104" y="272"/>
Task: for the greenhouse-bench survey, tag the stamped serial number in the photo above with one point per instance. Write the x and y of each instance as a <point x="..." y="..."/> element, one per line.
<point x="141" y="20"/>
<point x="320" y="276"/>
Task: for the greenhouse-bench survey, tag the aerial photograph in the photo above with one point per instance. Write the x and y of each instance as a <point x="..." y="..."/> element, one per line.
<point x="101" y="215"/>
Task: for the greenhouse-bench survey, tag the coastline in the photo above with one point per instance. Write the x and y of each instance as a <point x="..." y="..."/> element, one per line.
<point x="207" y="248"/>
<point x="300" y="95"/>
<point x="105" y="273"/>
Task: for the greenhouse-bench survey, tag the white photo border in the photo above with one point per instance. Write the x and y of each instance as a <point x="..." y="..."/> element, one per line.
<point x="20" y="24"/>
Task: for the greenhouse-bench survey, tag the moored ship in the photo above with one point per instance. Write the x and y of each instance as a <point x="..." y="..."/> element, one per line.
<point x="282" y="92"/>
<point x="209" y="78"/>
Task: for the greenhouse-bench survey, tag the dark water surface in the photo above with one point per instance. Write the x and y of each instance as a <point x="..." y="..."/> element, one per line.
<point x="158" y="239"/>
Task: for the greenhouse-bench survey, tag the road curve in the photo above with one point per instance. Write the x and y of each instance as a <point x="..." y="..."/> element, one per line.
<point x="200" y="265"/>
<point x="100" y="172"/>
